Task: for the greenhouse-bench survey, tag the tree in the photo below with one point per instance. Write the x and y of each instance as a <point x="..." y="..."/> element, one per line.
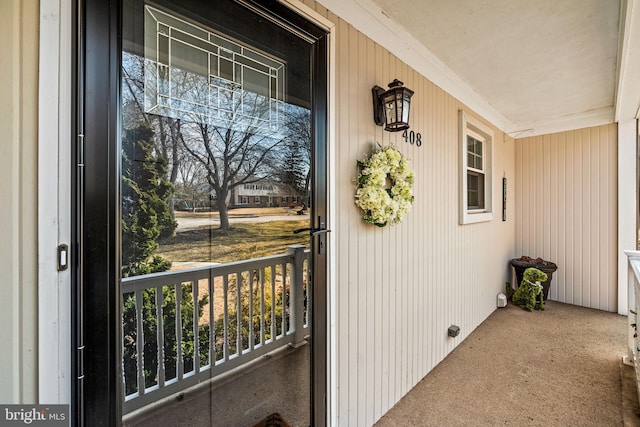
<point x="293" y="171"/>
<point x="229" y="131"/>
<point x="166" y="128"/>
<point x="146" y="217"/>
<point x="296" y="162"/>
<point x="237" y="148"/>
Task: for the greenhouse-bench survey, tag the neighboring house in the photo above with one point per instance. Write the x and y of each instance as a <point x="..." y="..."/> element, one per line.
<point x="555" y="122"/>
<point x="264" y="193"/>
<point x="257" y="194"/>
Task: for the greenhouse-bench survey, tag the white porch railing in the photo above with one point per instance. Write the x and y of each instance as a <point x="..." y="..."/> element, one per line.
<point x="633" y="289"/>
<point x="181" y="328"/>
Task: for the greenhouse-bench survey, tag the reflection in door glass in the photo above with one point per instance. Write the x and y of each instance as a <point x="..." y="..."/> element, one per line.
<point x="215" y="178"/>
<point x="227" y="149"/>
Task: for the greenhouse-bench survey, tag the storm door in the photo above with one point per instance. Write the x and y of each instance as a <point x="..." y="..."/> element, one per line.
<point x="215" y="217"/>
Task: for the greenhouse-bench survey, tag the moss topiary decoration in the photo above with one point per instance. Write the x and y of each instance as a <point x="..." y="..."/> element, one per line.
<point x="527" y="293"/>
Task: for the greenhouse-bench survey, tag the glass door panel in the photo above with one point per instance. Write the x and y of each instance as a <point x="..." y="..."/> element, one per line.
<point x="216" y="187"/>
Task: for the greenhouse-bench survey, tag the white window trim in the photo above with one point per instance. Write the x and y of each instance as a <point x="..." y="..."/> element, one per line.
<point x="470" y="125"/>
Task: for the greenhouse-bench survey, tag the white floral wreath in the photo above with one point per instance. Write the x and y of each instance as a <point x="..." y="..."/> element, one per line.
<point x="384" y="186"/>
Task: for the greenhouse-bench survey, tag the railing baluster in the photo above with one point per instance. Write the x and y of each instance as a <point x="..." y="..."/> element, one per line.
<point x="160" y="335"/>
<point x="122" y="348"/>
<point x="310" y="287"/>
<point x="274" y="331"/>
<point x="239" y="313"/>
<point x="179" y="355"/>
<point x="307" y="289"/>
<point x="196" y="327"/>
<point x="225" y="344"/>
<point x="262" y="274"/>
<point x="212" y="322"/>
<point x="250" y="337"/>
<point x="285" y="300"/>
<point x="140" y="342"/>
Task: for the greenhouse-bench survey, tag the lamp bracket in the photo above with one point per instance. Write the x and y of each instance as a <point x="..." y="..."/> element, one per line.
<point x="378" y="111"/>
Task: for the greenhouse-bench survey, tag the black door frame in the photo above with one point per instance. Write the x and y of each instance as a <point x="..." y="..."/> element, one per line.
<point x="319" y="246"/>
<point x="96" y="317"/>
<point x="95" y="309"/>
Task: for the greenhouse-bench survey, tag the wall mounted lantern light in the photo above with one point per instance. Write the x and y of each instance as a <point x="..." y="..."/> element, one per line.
<point x="391" y="107"/>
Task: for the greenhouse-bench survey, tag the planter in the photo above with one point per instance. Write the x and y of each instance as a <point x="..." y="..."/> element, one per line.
<point x="547" y="267"/>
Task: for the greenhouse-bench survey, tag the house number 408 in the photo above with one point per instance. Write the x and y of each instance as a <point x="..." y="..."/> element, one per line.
<point x="412" y="137"/>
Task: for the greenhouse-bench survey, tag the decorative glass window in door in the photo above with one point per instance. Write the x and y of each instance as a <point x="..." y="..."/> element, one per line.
<point x="202" y="77"/>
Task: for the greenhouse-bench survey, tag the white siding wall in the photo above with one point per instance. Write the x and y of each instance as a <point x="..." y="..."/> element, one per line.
<point x="18" y="207"/>
<point x="566" y="211"/>
<point x="399" y="288"/>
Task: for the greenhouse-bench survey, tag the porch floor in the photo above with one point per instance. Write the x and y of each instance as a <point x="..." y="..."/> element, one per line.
<point x="562" y="366"/>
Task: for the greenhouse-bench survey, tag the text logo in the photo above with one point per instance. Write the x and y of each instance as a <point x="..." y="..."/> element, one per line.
<point x="36" y="415"/>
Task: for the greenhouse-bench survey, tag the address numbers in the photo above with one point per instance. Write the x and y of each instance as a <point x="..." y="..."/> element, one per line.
<point x="413" y="138"/>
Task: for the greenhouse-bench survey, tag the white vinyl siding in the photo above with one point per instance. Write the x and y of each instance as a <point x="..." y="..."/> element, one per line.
<point x="566" y="199"/>
<point x="19" y="31"/>
<point x="399" y="288"/>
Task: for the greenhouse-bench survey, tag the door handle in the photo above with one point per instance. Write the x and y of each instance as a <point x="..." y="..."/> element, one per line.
<point x="312" y="231"/>
<point x="319" y="231"/>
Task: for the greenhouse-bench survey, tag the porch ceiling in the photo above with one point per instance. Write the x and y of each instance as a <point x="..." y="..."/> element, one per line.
<point x="546" y="65"/>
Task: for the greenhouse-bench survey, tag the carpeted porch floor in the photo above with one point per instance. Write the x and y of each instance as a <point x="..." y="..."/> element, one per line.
<point x="559" y="367"/>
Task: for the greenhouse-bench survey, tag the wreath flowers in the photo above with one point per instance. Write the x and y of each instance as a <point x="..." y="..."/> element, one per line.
<point x="384" y="186"/>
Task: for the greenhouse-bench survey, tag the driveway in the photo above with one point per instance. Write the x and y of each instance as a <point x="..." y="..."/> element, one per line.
<point x="192" y="223"/>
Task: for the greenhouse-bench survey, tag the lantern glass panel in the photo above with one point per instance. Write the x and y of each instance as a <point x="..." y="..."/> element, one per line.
<point x="390" y="111"/>
<point x="405" y="110"/>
